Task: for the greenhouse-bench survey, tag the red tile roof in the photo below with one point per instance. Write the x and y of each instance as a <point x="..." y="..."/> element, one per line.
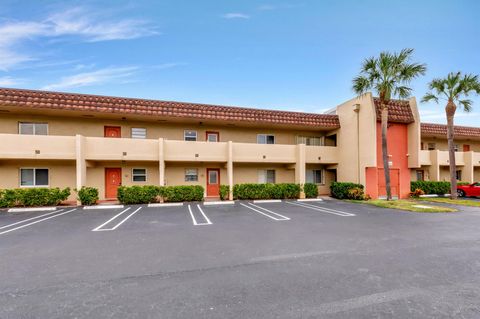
<point x="163" y="109"/>
<point x="398" y="111"/>
<point x="441" y="129"/>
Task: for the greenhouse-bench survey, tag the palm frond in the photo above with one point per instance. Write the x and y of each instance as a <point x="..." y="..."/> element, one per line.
<point x="466" y="105"/>
<point x="429" y="97"/>
<point x="361" y="85"/>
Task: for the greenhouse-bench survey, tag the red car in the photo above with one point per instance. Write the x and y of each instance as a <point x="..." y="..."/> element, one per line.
<point x="469" y="190"/>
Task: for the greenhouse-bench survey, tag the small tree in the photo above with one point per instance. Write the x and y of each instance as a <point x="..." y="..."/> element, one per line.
<point x="388" y="75"/>
<point x="454" y="89"/>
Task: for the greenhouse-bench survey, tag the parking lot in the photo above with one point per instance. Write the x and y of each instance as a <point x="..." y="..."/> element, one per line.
<point x="284" y="259"/>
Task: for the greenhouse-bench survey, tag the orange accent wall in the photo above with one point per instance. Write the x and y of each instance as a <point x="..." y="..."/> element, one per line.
<point x="399" y="171"/>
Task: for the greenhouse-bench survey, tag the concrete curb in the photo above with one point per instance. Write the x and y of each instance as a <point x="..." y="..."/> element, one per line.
<point x="32" y="209"/>
<point x="164" y="204"/>
<point x="229" y="202"/>
<point x="259" y="201"/>
<point x="310" y="200"/>
<point x="103" y="207"/>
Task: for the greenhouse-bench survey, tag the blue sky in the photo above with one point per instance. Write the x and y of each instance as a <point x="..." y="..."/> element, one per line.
<point x="290" y="55"/>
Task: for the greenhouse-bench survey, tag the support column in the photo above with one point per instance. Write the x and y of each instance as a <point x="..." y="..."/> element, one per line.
<point x="434" y="170"/>
<point x="300" y="168"/>
<point x="161" y="162"/>
<point x="230" y="169"/>
<point x="80" y="163"/>
<point x="468" y="168"/>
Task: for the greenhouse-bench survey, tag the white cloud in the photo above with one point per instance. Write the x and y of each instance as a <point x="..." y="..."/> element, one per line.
<point x="89" y="25"/>
<point x="236" y="15"/>
<point x="9" y="81"/>
<point x="101" y="76"/>
<point x="168" y="65"/>
<point x="266" y="7"/>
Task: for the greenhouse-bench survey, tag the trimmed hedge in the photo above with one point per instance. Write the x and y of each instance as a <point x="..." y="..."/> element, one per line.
<point x="224" y="192"/>
<point x="87" y="195"/>
<point x="310" y="190"/>
<point x="182" y="193"/>
<point x="33" y="196"/>
<point x="433" y="187"/>
<point x="341" y="190"/>
<point x="266" y="191"/>
<point x="138" y="194"/>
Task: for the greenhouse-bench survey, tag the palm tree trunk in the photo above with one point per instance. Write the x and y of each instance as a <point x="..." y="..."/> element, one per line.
<point x="450" y="111"/>
<point x="386" y="166"/>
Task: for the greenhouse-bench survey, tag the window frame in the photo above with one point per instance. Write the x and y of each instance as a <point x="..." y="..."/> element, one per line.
<point x="264" y="179"/>
<point x="34" y="128"/>
<point x="322" y="176"/>
<point x="185" y="135"/>
<point x="138" y="128"/>
<point x="34" y="177"/>
<point x="196" y="174"/>
<point x="430" y="147"/>
<point x="458" y="173"/>
<point x="133" y="175"/>
<point x="266" y="135"/>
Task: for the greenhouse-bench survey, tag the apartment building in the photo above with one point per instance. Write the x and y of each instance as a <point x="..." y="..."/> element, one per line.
<point x="51" y="139"/>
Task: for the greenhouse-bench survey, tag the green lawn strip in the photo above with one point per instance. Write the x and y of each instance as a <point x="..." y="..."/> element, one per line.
<point x="445" y="200"/>
<point x="408" y="205"/>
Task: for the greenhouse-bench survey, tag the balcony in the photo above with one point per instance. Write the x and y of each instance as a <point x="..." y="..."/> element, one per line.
<point x="125" y="149"/>
<point x="263" y="153"/>
<point x="187" y="151"/>
<point x="13" y="146"/>
<point x="321" y="154"/>
<point x="425" y="157"/>
<point x="443" y="159"/>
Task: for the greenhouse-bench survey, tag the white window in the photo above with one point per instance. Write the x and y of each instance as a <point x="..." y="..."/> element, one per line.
<point x="266" y="176"/>
<point x="139" y="132"/>
<point x="139" y="175"/>
<point x="310" y="140"/>
<point x="265" y="139"/>
<point x="33" y="177"/>
<point x="190" y="135"/>
<point x="212" y="136"/>
<point x="455" y="147"/>
<point x="33" y="128"/>
<point x="431" y="146"/>
<point x="314" y="176"/>
<point x="191" y="175"/>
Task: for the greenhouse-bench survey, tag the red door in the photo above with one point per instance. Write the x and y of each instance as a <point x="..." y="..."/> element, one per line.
<point x="213" y="182"/>
<point x="466" y="148"/>
<point x="113" y="179"/>
<point x="394" y="182"/>
<point x="113" y="131"/>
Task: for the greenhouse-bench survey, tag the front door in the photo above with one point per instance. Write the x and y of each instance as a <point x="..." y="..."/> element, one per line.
<point x="394" y="182"/>
<point x="466" y="148"/>
<point x="213" y="182"/>
<point x="113" y="131"/>
<point x="113" y="179"/>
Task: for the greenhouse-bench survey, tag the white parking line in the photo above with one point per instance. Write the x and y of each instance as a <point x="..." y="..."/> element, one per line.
<point x="322" y="209"/>
<point x="36" y="217"/>
<point x="108" y="221"/>
<point x="195" y="220"/>
<point x="265" y="214"/>
<point x="121" y="222"/>
<point x="37" y="221"/>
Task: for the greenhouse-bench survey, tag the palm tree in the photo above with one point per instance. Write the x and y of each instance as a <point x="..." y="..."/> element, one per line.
<point x="455" y="89"/>
<point x="389" y="76"/>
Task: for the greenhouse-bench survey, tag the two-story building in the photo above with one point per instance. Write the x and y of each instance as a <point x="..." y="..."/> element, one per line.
<point x="51" y="139"/>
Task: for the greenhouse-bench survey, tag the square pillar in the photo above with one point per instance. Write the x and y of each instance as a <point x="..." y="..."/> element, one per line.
<point x="300" y="167"/>
<point x="468" y="169"/>
<point x="80" y="163"/>
<point x="230" y="169"/>
<point x="161" y="162"/>
<point x="434" y="170"/>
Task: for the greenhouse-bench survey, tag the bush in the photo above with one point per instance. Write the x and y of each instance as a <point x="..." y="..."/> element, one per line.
<point x="417" y="193"/>
<point x="88" y="195"/>
<point x="181" y="193"/>
<point x="266" y="191"/>
<point x="33" y="196"/>
<point x="137" y="194"/>
<point x="310" y="190"/>
<point x="224" y="189"/>
<point x="356" y="193"/>
<point x="431" y="187"/>
<point x="341" y="190"/>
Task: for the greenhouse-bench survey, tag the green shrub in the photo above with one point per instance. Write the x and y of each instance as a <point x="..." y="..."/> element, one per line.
<point x="310" y="190"/>
<point x="88" y="195"/>
<point x="137" y="194"/>
<point x="431" y="187"/>
<point x="266" y="191"/>
<point x="340" y="190"/>
<point x="33" y="196"/>
<point x="181" y="193"/>
<point x="224" y="189"/>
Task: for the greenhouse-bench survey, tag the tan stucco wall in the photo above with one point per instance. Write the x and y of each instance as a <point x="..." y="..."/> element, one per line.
<point x="95" y="128"/>
<point x="442" y="144"/>
<point x="476" y="174"/>
<point x="61" y="173"/>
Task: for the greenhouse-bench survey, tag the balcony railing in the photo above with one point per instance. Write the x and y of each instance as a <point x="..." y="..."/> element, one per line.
<point x="13" y="146"/>
<point x="189" y="151"/>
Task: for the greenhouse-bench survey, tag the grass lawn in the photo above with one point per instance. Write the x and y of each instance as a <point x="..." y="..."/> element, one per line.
<point x="406" y="204"/>
<point x="445" y="200"/>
